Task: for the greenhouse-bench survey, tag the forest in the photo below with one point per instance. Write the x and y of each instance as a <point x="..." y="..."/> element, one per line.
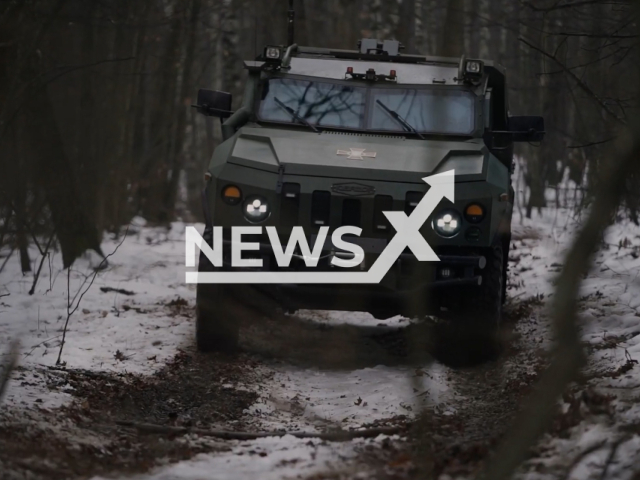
<point x="96" y="96"/>
<point x="103" y="160"/>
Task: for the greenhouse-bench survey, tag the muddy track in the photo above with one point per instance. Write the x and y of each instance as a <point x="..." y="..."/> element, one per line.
<point x="213" y="391"/>
<point x="457" y="441"/>
<point x="81" y="440"/>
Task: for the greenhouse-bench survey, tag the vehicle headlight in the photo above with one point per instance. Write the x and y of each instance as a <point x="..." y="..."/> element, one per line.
<point x="256" y="209"/>
<point x="272" y="53"/>
<point x="447" y="224"/>
<point x="473" y="66"/>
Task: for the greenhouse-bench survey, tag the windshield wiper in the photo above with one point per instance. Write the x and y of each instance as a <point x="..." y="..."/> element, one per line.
<point x="293" y="113"/>
<point x="400" y="120"/>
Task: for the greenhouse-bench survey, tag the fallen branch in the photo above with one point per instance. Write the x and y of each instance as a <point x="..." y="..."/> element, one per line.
<point x="612" y="454"/>
<point x="336" y="436"/>
<point x="117" y="290"/>
<point x="583" y="455"/>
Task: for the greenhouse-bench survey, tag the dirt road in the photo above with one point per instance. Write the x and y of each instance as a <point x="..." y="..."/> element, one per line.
<point x="129" y="356"/>
<point x="372" y="383"/>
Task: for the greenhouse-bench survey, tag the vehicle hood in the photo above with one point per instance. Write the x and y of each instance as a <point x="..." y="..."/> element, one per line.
<point x="306" y="153"/>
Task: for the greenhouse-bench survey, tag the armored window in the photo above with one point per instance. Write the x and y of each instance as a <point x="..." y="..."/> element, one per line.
<point x="427" y="110"/>
<point x="319" y="103"/>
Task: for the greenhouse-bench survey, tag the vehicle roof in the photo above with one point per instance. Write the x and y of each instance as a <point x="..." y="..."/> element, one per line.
<point x="406" y="73"/>
<point x="410" y="69"/>
<point x="400" y="58"/>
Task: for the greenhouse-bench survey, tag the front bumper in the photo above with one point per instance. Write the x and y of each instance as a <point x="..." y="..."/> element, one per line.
<point x="451" y="270"/>
<point x="407" y="288"/>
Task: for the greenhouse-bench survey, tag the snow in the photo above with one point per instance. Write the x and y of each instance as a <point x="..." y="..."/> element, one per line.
<point x="147" y="263"/>
<point x="352" y="398"/>
<point x="116" y="332"/>
<point x="609" y="316"/>
<point x="138" y="333"/>
<point x="265" y="458"/>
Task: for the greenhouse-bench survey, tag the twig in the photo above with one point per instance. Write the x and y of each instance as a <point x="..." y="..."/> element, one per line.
<point x="337" y="436"/>
<point x="611" y="456"/>
<point x="591" y="35"/>
<point x="583" y="86"/>
<point x="41" y="343"/>
<point x="70" y="310"/>
<point x="13" y="248"/>
<point x="582" y="455"/>
<point x="591" y="144"/>
<point x="9" y="366"/>
<point x="44" y="254"/>
<point x="561" y="6"/>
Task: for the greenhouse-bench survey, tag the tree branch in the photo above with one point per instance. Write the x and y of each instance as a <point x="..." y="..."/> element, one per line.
<point x="71" y="309"/>
<point x="583" y="86"/>
<point x="591" y="144"/>
<point x="568" y="356"/>
<point x="571" y="5"/>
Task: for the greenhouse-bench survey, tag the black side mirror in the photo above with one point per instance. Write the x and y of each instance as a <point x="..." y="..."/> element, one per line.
<point x="526" y="128"/>
<point x="213" y="103"/>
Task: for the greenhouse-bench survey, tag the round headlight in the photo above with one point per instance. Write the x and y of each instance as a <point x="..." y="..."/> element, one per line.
<point x="256" y="209"/>
<point x="447" y="224"/>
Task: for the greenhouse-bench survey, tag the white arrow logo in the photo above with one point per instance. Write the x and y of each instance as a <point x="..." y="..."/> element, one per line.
<point x="407" y="235"/>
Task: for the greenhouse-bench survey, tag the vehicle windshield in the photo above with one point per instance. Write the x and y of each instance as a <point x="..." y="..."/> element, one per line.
<point x="375" y="108"/>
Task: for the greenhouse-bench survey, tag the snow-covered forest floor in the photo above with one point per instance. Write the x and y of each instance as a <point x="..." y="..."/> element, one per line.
<point x="129" y="356"/>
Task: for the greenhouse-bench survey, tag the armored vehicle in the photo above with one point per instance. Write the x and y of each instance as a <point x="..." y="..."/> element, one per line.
<point x="329" y="138"/>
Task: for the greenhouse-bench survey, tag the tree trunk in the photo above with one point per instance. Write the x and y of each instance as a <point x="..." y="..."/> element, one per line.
<point x="452" y="37"/>
<point x="74" y="228"/>
<point x="406" y="30"/>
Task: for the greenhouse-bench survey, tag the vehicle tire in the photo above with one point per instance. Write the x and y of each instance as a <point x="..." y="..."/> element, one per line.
<point x="482" y="309"/>
<point x="470" y="335"/>
<point x="216" y="328"/>
<point x="506" y="245"/>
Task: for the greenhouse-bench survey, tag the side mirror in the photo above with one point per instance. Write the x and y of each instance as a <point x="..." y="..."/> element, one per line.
<point x="213" y="103"/>
<point x="526" y="128"/>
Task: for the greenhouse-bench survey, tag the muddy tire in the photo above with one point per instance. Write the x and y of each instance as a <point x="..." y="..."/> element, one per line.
<point x="469" y="335"/>
<point x="482" y="309"/>
<point x="506" y="245"/>
<point x="216" y="328"/>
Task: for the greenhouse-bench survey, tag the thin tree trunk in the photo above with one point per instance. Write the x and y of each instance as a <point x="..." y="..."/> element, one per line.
<point x="452" y="37"/>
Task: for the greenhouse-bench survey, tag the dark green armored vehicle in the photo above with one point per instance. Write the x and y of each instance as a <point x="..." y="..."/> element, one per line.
<point x="330" y="138"/>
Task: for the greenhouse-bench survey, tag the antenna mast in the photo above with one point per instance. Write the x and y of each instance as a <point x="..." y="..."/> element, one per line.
<point x="290" y="16"/>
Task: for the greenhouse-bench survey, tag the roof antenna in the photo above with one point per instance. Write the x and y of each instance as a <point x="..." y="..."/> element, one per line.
<point x="291" y="15"/>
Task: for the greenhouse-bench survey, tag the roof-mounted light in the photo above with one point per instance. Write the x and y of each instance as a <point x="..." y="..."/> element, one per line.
<point x="272" y="53"/>
<point x="473" y="71"/>
<point x="473" y="66"/>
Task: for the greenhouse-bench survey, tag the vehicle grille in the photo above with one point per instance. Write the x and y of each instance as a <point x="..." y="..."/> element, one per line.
<point x="337" y="210"/>
<point x="351" y="212"/>
<point x="320" y="208"/>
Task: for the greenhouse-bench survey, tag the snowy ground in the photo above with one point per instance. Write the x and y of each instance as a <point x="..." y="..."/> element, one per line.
<point x="132" y="333"/>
